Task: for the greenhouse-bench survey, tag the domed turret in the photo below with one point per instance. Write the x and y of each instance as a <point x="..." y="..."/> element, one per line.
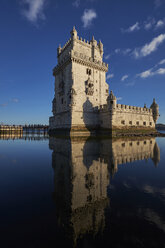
<point x="111" y="101"/>
<point x="155" y="110"/>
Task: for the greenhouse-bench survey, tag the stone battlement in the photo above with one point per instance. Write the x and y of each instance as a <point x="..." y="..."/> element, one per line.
<point x="65" y="46"/>
<point x="134" y="109"/>
<point x="83" y="42"/>
<point x="127" y="108"/>
<point x="86" y="51"/>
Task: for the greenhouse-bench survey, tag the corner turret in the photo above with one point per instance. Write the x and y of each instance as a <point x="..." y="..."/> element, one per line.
<point x="73" y="33"/>
<point x="111" y="100"/>
<point x="155" y="110"/>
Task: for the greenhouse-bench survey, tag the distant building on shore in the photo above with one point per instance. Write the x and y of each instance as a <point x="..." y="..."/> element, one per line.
<point x="10" y="129"/>
<point x="82" y="100"/>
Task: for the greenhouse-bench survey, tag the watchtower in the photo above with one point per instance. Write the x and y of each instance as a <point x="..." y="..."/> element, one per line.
<point x="80" y="84"/>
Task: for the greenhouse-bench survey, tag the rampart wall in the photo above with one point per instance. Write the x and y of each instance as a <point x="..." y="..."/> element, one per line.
<point x="123" y="116"/>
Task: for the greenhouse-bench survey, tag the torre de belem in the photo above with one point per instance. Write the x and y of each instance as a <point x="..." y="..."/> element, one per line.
<point x="82" y="101"/>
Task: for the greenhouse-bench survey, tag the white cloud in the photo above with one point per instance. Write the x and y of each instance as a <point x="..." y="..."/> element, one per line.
<point x="76" y="3"/>
<point x="8" y="102"/>
<point x="119" y="98"/>
<point x="149" y="47"/>
<point x="160" y="71"/>
<point x="126" y="51"/>
<point x="149" y="23"/>
<point x="124" y="77"/>
<point x="117" y="50"/>
<point x="132" y="28"/>
<point x="107" y="56"/>
<point x="152" y="23"/>
<point x="34" y="12"/>
<point x="87" y="17"/>
<point x="150" y="73"/>
<point x="15" y="100"/>
<point x="162" y="62"/>
<point x="157" y="3"/>
<point x="110" y="76"/>
<point x="131" y="83"/>
<point x="122" y="51"/>
<point x="145" y="74"/>
<point x="160" y="24"/>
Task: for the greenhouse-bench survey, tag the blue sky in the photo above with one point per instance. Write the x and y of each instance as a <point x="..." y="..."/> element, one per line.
<point x="133" y="34"/>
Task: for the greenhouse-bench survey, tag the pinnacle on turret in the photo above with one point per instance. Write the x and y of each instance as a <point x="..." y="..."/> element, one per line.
<point x="112" y="95"/>
<point x="93" y="41"/>
<point x="100" y="44"/>
<point x="73" y="33"/>
<point x="59" y="49"/>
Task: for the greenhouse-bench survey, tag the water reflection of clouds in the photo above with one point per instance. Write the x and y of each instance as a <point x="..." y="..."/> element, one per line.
<point x="154" y="190"/>
<point x="154" y="218"/>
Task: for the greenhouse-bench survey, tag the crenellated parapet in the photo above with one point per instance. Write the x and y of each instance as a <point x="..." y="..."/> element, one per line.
<point x="89" y="53"/>
<point x="89" y="44"/>
<point x="103" y="108"/>
<point x="127" y="108"/>
<point x="133" y="109"/>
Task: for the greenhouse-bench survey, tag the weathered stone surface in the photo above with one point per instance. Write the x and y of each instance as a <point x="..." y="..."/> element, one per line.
<point x="82" y="99"/>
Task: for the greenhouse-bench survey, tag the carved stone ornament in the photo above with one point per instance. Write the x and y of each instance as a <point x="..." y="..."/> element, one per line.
<point x="89" y="87"/>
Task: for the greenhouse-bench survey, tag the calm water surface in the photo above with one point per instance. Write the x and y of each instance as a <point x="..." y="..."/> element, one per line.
<point x="82" y="193"/>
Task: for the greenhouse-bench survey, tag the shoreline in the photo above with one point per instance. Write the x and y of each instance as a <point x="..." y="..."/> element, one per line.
<point x="97" y="133"/>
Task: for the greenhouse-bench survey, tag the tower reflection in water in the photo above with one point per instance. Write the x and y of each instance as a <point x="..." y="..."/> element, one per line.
<point x="82" y="170"/>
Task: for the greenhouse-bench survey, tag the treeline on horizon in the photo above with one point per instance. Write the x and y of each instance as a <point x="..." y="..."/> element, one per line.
<point x="160" y="126"/>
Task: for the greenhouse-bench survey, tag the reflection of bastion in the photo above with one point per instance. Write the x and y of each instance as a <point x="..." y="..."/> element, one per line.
<point x="122" y="151"/>
<point x="82" y="170"/>
<point x="82" y="101"/>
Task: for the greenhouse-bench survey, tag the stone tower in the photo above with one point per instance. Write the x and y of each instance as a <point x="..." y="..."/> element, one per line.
<point x="80" y="86"/>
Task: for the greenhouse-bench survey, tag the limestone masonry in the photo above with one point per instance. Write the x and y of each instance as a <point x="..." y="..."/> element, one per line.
<point x="82" y="100"/>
